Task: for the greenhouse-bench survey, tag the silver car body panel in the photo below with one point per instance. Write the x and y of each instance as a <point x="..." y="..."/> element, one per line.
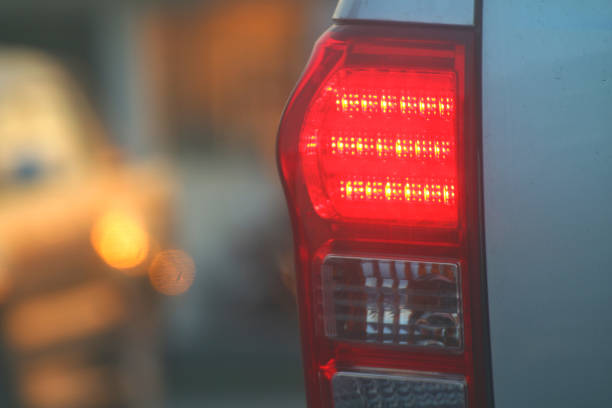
<point x="547" y="150"/>
<point x="456" y="12"/>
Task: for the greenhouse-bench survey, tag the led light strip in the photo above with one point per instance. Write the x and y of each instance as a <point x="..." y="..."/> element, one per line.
<point x="405" y="190"/>
<point x="364" y="101"/>
<point x="384" y="147"/>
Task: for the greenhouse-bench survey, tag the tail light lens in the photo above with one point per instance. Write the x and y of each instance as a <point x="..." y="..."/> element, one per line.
<point x="379" y="143"/>
<point x="379" y="156"/>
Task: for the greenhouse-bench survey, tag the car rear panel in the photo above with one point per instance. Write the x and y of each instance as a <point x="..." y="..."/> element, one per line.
<point x="547" y="148"/>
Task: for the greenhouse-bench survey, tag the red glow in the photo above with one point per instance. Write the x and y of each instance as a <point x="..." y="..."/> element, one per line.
<point x="329" y="369"/>
<point x="386" y="138"/>
<point x="406" y="94"/>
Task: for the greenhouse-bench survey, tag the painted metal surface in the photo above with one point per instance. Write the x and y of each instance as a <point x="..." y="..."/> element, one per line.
<point x="547" y="117"/>
<point x="456" y="12"/>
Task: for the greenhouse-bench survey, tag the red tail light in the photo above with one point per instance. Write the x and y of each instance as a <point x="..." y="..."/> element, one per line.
<point x="379" y="156"/>
<point x="380" y="143"/>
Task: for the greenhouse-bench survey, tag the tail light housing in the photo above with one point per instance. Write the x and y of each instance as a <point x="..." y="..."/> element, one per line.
<point x="378" y="150"/>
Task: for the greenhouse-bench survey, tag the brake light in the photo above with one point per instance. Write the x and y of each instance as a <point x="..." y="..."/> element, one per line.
<point x="379" y="157"/>
<point x="379" y="143"/>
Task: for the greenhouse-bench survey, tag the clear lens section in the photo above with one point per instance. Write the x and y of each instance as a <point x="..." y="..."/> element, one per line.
<point x="396" y="302"/>
<point x="362" y="390"/>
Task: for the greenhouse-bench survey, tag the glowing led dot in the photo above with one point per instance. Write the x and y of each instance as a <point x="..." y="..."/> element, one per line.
<point x="344" y="103"/>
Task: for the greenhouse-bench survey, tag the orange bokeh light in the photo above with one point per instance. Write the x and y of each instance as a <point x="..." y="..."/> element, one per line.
<point x="172" y="272"/>
<point x="120" y="239"/>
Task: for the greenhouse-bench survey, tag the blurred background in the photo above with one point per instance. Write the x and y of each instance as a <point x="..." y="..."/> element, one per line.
<point x="145" y="248"/>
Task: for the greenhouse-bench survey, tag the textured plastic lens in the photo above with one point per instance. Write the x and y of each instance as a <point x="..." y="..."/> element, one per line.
<point x="398" y="302"/>
<point x="389" y="137"/>
<point x="361" y="390"/>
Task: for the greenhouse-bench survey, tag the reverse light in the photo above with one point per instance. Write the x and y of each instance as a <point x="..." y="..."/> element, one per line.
<point x="379" y="155"/>
<point x="392" y="302"/>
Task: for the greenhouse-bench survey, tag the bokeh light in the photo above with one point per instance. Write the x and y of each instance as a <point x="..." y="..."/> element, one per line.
<point x="120" y="239"/>
<point x="172" y="272"/>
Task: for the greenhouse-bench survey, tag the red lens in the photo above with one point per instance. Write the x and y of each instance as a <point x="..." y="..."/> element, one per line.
<point x="381" y="144"/>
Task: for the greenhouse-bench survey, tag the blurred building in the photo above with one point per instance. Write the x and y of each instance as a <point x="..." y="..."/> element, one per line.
<point x="199" y="87"/>
<point x="71" y="217"/>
